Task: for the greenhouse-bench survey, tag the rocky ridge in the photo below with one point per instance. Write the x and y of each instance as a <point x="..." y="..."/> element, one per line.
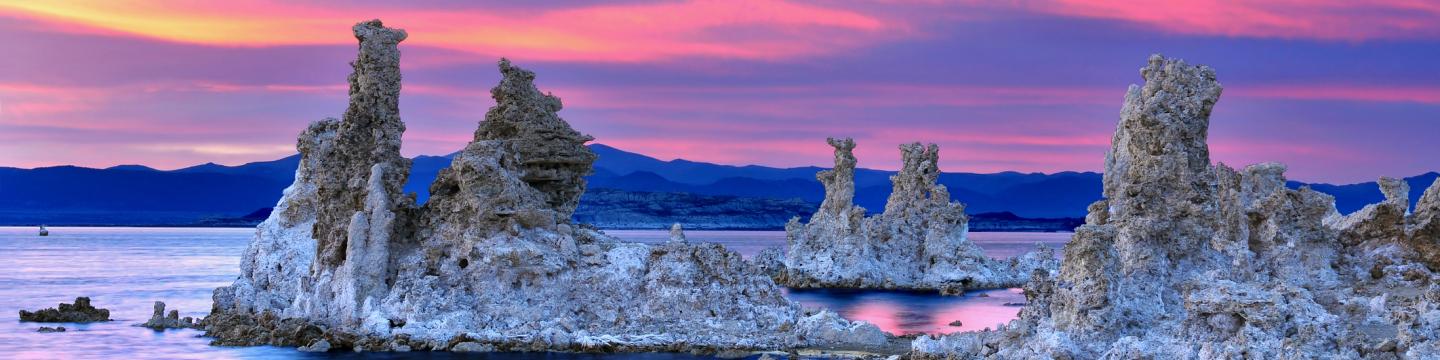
<point x="918" y="242"/>
<point x="491" y="261"/>
<point x="1188" y="260"/>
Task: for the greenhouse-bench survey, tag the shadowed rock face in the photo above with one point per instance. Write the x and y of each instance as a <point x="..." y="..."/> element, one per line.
<point x="492" y="260"/>
<point x="1188" y="260"/>
<point x="1424" y="229"/>
<point x="919" y="242"/>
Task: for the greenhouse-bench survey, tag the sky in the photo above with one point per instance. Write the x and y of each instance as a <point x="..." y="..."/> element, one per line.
<point x="1340" y="91"/>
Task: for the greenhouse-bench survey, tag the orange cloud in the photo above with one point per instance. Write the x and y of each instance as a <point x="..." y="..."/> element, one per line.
<point x="1343" y="20"/>
<point x="757" y="30"/>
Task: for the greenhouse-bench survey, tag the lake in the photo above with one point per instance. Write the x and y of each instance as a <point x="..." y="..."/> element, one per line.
<point x="127" y="269"/>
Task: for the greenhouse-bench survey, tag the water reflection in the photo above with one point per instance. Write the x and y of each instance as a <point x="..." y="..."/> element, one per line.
<point x="909" y="312"/>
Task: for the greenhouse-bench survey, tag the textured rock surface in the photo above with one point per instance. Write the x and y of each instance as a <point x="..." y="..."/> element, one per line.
<point x="79" y="312"/>
<point x="491" y="261"/>
<point x="1188" y="260"/>
<point x="918" y="242"/>
<point x="677" y="233"/>
<point x="553" y="157"/>
<point x="160" y="321"/>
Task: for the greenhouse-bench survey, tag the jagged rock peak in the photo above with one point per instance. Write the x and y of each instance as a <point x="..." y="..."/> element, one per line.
<point x="355" y="162"/>
<point x="917" y="182"/>
<point x="839" y="181"/>
<point x="554" y="157"/>
<point x="1397" y="192"/>
<point x="1159" y="150"/>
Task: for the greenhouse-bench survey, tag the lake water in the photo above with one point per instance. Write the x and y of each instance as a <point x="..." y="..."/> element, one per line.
<point x="127" y="269"/>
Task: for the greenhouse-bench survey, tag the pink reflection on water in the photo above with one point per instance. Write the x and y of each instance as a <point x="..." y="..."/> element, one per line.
<point x="905" y="312"/>
<point x="978" y="313"/>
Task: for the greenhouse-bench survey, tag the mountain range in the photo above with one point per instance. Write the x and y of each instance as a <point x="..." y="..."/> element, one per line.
<point x="135" y="194"/>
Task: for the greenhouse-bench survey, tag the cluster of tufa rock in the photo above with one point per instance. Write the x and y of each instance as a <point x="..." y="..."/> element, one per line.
<point x="79" y="312"/>
<point x="918" y="242"/>
<point x="160" y="321"/>
<point x="492" y="260"/>
<point x="1188" y="260"/>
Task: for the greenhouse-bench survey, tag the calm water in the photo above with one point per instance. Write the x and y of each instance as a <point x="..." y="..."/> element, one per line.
<point x="127" y="269"/>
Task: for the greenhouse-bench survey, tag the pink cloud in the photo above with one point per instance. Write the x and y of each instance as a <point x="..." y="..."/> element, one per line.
<point x="1342" y="92"/>
<point x="1341" y="20"/>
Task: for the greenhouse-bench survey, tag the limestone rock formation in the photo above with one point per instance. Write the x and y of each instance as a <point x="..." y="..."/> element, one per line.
<point x="918" y="242"/>
<point x="1188" y="260"/>
<point x="492" y="260"/>
<point x="553" y="156"/>
<point x="677" y="234"/>
<point x="160" y="321"/>
<point x="79" y="312"/>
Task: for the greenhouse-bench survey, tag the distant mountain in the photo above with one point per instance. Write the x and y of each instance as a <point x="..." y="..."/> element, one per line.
<point x="619" y="209"/>
<point x="1059" y="195"/>
<point x="131" y="168"/>
<point x="1352" y="197"/>
<point x="214" y="194"/>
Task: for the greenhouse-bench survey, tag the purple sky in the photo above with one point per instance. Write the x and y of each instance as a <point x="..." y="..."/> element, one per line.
<point x="1339" y="92"/>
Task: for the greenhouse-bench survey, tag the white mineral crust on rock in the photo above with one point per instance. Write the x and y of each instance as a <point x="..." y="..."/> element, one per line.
<point x="492" y="260"/>
<point x="1189" y="260"/>
<point x="918" y="242"/>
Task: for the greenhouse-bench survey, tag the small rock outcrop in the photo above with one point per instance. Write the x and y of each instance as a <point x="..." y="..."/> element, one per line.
<point x="79" y="312"/>
<point x="160" y="321"/>
<point x="1188" y="260"/>
<point x="918" y="242"/>
<point x="492" y="262"/>
<point x="47" y="329"/>
<point x="677" y="234"/>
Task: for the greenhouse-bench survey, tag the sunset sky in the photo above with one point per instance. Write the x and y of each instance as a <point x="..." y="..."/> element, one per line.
<point x="1340" y="92"/>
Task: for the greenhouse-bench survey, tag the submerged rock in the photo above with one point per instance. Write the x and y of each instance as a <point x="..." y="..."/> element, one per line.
<point x="918" y="242"/>
<point x="79" y="312"/>
<point x="160" y="321"/>
<point x="1188" y="260"/>
<point x="47" y="329"/>
<point x="492" y="261"/>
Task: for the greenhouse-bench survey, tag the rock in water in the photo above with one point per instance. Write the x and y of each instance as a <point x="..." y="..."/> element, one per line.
<point x="1186" y="260"/>
<point x="159" y="321"/>
<point x="79" y="312"/>
<point x="918" y="242"/>
<point x="47" y="329"/>
<point x="492" y="261"/>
